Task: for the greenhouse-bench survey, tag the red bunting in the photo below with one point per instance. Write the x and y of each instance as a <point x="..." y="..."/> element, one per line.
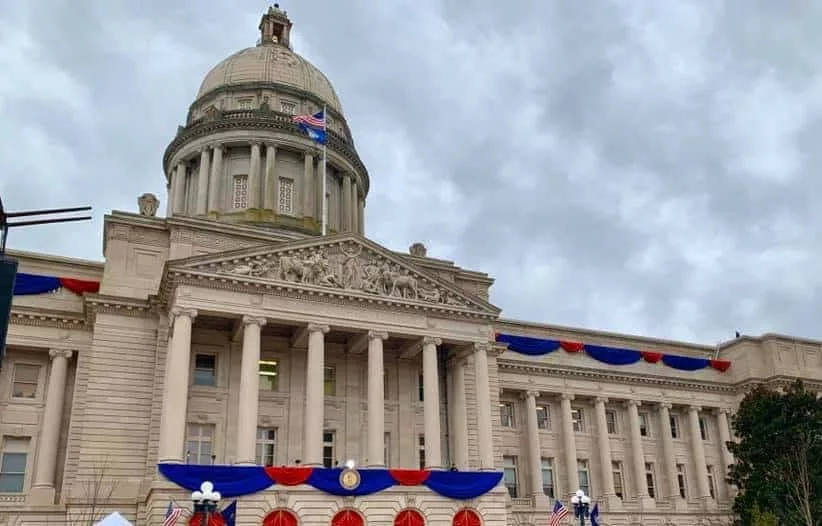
<point x="572" y="346"/>
<point x="466" y="517"/>
<point x="280" y="518"/>
<point x="651" y="357"/>
<point x="288" y="475"/>
<point x="347" y="518"/>
<point x="214" y="519"/>
<point x="409" y="517"/>
<point x="80" y="286"/>
<point x="720" y="365"/>
<point x="409" y="477"/>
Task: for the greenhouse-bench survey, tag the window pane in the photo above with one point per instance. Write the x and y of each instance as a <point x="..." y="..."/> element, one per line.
<point x="269" y="375"/>
<point x="13" y="463"/>
<point x="205" y="366"/>
<point x="11" y="483"/>
<point x="25" y="379"/>
<point x="329" y="381"/>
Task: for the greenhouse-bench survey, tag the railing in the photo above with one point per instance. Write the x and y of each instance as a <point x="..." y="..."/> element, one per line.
<point x="522" y="502"/>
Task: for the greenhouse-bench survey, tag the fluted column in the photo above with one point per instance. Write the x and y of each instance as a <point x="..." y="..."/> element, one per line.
<point x="45" y="469"/>
<point x="361" y="216"/>
<point x="214" y="186"/>
<point x="254" y="177"/>
<point x="431" y="403"/>
<point x="604" y="445"/>
<point x="180" y="189"/>
<point x="637" y="455"/>
<point x="314" y="395"/>
<point x="175" y="388"/>
<point x="202" y="181"/>
<point x="308" y="185"/>
<point x="569" y="444"/>
<point x="376" y="399"/>
<point x="270" y="186"/>
<point x="249" y="392"/>
<point x="354" y="208"/>
<point x="727" y="456"/>
<point x="346" y="221"/>
<point x="485" y="435"/>
<point x="698" y="454"/>
<point x="534" y="452"/>
<point x="668" y="456"/>
<point x="460" y="420"/>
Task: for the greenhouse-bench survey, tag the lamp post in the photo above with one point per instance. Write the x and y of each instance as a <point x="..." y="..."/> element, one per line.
<point x="581" y="502"/>
<point x="205" y="501"/>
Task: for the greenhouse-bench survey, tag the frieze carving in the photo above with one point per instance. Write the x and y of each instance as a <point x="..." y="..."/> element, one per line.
<point x="346" y="266"/>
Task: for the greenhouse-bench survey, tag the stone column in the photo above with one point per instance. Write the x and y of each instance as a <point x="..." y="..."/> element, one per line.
<point x="270" y="191"/>
<point x="604" y="445"/>
<point x="202" y="181"/>
<point x="569" y="444"/>
<point x="485" y="434"/>
<point x="534" y="451"/>
<point x="180" y="189"/>
<point x="376" y="399"/>
<point x="346" y="222"/>
<point x="637" y="455"/>
<point x="354" y="208"/>
<point x="668" y="456"/>
<point x="308" y="185"/>
<point x="45" y="470"/>
<point x="314" y="395"/>
<point x="361" y="216"/>
<point x="431" y="403"/>
<point x="460" y="420"/>
<point x="175" y="388"/>
<point x="727" y="456"/>
<point x="254" y="177"/>
<point x="214" y="186"/>
<point x="249" y="392"/>
<point x="698" y="455"/>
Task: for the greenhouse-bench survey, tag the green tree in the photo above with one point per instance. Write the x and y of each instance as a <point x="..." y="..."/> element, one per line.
<point x="758" y="518"/>
<point x="778" y="457"/>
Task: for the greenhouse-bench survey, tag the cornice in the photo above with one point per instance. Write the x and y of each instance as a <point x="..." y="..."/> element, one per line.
<point x="264" y="120"/>
<point x="48" y="318"/>
<point x="23" y="256"/>
<point x="103" y="304"/>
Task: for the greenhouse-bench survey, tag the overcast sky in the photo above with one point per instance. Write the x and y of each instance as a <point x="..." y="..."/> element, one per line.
<point x="649" y="167"/>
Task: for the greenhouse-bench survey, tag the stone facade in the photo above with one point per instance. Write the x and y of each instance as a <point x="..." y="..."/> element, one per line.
<point x="251" y="340"/>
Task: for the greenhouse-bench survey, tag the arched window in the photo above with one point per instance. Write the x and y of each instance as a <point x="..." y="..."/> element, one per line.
<point x="466" y="517"/>
<point x="347" y="518"/>
<point x="280" y="518"/>
<point x="409" y="517"/>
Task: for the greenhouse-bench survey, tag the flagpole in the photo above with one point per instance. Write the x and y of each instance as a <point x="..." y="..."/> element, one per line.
<point x="324" y="189"/>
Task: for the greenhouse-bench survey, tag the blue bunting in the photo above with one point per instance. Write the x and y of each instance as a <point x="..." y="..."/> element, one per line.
<point x="27" y="284"/>
<point x="612" y="355"/>
<point x="462" y="485"/>
<point x="528" y="345"/>
<point x="230" y="481"/>
<point x="685" y="363"/>
<point x="371" y="481"/>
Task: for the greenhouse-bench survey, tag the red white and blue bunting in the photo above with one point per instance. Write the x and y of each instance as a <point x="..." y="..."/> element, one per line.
<point x="31" y="284"/>
<point x="235" y="481"/>
<point x="610" y="355"/>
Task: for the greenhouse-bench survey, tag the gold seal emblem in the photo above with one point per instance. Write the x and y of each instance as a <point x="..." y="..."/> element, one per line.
<point x="349" y="479"/>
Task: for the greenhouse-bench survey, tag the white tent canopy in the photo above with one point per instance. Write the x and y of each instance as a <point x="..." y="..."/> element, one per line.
<point x="115" y="519"/>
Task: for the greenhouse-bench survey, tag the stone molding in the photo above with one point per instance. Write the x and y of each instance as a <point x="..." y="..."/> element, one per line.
<point x="48" y="318"/>
<point x="102" y="304"/>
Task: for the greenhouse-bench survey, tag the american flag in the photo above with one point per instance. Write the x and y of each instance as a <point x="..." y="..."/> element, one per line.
<point x="559" y="513"/>
<point x="172" y="514"/>
<point x="314" y="121"/>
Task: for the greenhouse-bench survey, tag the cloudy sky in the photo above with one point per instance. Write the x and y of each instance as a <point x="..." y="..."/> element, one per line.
<point x="646" y="167"/>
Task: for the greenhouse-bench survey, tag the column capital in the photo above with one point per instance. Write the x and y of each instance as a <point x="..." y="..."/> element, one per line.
<point x="602" y="399"/>
<point x="218" y="146"/>
<point x="632" y="403"/>
<point x="255" y="142"/>
<point x="176" y="312"/>
<point x="721" y="410"/>
<point x="481" y="347"/>
<point x="204" y="149"/>
<point x="269" y="144"/>
<point x="60" y="353"/>
<point x="567" y="396"/>
<point x="531" y="393"/>
<point x="695" y="408"/>
<point x="665" y="405"/>
<point x="347" y="175"/>
<point x="377" y="335"/>
<point x="431" y="340"/>
<point x="318" y="327"/>
<point x="254" y="320"/>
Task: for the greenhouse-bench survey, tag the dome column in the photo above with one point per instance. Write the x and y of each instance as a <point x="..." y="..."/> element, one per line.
<point x="179" y="185"/>
<point x="254" y="177"/>
<point x="308" y="185"/>
<point x="361" y="215"/>
<point x="346" y="203"/>
<point x="270" y="191"/>
<point x="216" y="174"/>
<point x="202" y="181"/>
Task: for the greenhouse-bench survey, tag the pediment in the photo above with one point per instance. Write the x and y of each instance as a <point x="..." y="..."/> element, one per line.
<point x="344" y="264"/>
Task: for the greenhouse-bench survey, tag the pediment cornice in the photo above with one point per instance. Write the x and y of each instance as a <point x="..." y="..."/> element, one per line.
<point x="345" y="268"/>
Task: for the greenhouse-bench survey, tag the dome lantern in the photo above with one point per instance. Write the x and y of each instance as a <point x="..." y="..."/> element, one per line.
<point x="275" y="28"/>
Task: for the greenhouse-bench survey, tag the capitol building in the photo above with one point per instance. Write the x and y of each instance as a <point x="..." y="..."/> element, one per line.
<point x="327" y="380"/>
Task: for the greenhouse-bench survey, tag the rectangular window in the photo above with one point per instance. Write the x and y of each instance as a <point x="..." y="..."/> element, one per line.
<point x="619" y="482"/>
<point x="578" y="419"/>
<point x="329" y="380"/>
<point x="509" y="470"/>
<point x="421" y="388"/>
<point x="611" y="421"/>
<point x="543" y="417"/>
<point x="239" y="192"/>
<point x="266" y="445"/>
<point x="548" y="477"/>
<point x="681" y="481"/>
<point x="703" y="428"/>
<point x="506" y="414"/>
<point x="421" y="450"/>
<point x="582" y="473"/>
<point x="644" y="425"/>
<point x="25" y="378"/>
<point x="205" y="369"/>
<point x="199" y="440"/>
<point x="245" y="103"/>
<point x="674" y="426"/>
<point x="285" y="201"/>
<point x="329" y="449"/>
<point x="13" y="464"/>
<point x="649" y="478"/>
<point x="386" y="450"/>
<point x="269" y="375"/>
<point x="711" y="482"/>
<point x="288" y="107"/>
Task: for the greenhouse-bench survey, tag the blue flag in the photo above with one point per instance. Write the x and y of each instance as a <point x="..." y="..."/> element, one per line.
<point x="595" y="515"/>
<point x="312" y="125"/>
<point x="229" y="514"/>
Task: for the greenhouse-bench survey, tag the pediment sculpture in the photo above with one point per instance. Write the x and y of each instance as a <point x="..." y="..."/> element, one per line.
<point x="346" y="266"/>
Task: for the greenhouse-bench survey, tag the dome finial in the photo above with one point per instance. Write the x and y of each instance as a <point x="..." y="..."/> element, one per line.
<point x="275" y="27"/>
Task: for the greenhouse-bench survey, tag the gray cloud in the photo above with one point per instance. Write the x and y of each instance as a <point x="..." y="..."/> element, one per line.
<point x="641" y="167"/>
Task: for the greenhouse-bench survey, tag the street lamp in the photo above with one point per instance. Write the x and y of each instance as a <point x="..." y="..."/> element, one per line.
<point x="581" y="501"/>
<point x="205" y="501"/>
